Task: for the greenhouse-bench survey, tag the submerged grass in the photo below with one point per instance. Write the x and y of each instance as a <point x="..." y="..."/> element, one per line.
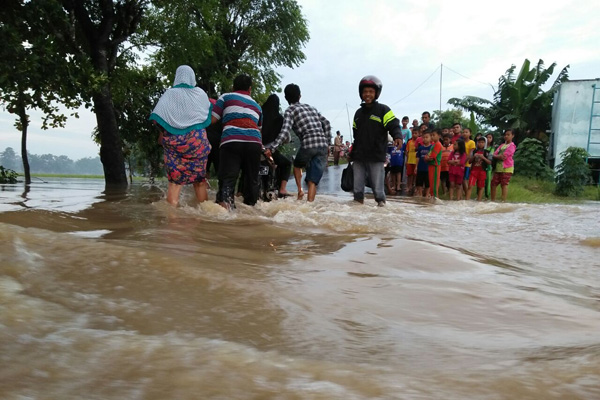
<point x="529" y="190"/>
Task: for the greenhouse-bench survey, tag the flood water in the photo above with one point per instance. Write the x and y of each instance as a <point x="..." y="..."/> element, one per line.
<point x="120" y="296"/>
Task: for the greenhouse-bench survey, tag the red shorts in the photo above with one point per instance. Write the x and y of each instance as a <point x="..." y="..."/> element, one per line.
<point x="501" y="178"/>
<point x="478" y="178"/>
<point x="457" y="179"/>
<point x="411" y="169"/>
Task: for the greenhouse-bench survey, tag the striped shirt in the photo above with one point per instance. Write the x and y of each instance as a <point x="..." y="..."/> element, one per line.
<point x="313" y="129"/>
<point x="241" y="117"/>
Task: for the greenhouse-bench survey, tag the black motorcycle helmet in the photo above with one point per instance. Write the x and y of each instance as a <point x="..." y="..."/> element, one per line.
<point x="370" y="81"/>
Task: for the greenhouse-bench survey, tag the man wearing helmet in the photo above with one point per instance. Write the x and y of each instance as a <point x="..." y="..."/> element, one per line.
<point x="372" y="123"/>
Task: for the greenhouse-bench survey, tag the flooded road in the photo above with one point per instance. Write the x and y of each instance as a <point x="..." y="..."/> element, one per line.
<point x="119" y="296"/>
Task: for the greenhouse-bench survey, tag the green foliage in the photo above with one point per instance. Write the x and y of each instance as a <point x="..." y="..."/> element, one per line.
<point x="71" y="52"/>
<point x="10" y="159"/>
<point x="519" y="102"/>
<point x="472" y="125"/>
<point x="49" y="163"/>
<point x="35" y="70"/>
<point x="220" y="39"/>
<point x="136" y="93"/>
<point x="573" y="173"/>
<point x="530" y="160"/>
<point x="7" y="175"/>
<point x="447" y="118"/>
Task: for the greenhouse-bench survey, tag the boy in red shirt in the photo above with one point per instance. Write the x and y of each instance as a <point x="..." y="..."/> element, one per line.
<point x="434" y="158"/>
<point x="456" y="132"/>
<point x="479" y="162"/>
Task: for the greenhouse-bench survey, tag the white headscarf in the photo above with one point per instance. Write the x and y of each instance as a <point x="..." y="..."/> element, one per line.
<point x="184" y="107"/>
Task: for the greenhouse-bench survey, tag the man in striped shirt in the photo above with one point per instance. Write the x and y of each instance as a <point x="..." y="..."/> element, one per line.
<point x="241" y="144"/>
<point x="314" y="132"/>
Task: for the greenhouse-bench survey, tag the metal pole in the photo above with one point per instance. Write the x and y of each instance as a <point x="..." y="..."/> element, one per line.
<point x="441" y="72"/>
<point x="591" y="119"/>
<point x="349" y="124"/>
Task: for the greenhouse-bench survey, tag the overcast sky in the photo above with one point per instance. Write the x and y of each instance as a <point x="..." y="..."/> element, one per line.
<point x="402" y="42"/>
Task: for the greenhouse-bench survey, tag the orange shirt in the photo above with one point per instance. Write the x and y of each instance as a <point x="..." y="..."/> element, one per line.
<point x="435" y="154"/>
<point x="445" y="154"/>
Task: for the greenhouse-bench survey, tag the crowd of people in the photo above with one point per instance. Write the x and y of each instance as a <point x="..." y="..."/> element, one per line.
<point x="233" y="132"/>
<point x="449" y="161"/>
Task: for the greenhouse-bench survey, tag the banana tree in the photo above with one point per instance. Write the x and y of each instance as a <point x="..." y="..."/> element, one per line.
<point x="519" y="103"/>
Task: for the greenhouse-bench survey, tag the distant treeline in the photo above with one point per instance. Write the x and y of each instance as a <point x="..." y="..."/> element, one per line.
<point x="51" y="164"/>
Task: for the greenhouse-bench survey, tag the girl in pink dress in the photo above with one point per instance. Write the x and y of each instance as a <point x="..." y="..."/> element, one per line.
<point x="456" y="172"/>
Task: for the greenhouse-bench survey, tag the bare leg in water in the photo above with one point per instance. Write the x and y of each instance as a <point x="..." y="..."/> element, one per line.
<point x="173" y="192"/>
<point x="504" y="192"/>
<point x="201" y="192"/>
<point x="283" y="188"/>
<point x="298" y="178"/>
<point x="312" y="191"/>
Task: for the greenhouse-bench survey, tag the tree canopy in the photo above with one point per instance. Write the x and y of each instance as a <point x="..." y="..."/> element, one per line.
<point x="220" y="39"/>
<point x="49" y="163"/>
<point x="520" y="102"/>
<point x="97" y="33"/>
<point x="447" y="118"/>
<point x="95" y="48"/>
<point x="35" y="72"/>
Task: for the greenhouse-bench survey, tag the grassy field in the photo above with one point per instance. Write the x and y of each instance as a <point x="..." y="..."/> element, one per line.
<point x="527" y="190"/>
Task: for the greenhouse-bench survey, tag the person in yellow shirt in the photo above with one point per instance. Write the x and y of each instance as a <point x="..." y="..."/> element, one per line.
<point x="411" y="163"/>
<point x="469" y="147"/>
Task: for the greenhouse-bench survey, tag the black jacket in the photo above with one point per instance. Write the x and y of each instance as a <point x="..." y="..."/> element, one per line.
<point x="271" y="128"/>
<point x="371" y="127"/>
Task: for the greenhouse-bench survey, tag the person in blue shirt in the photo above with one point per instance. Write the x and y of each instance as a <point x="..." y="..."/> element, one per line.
<point x="396" y="168"/>
<point x="423" y="165"/>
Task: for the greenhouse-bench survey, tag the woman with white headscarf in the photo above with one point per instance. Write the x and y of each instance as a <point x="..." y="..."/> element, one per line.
<point x="182" y="113"/>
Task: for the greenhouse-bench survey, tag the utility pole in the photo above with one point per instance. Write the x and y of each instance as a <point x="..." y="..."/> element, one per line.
<point x="441" y="73"/>
<point x="349" y="124"/>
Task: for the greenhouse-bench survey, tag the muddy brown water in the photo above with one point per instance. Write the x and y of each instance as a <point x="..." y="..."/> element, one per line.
<point x="118" y="296"/>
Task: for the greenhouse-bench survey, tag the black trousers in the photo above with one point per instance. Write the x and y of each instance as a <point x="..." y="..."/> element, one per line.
<point x="284" y="166"/>
<point x="233" y="158"/>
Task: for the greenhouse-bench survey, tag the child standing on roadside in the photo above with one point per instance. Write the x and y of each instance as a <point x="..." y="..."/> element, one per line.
<point x="479" y="162"/>
<point x="434" y="159"/>
<point x="406" y="133"/>
<point x="396" y="167"/>
<point x="444" y="167"/>
<point x="411" y="164"/>
<point x="505" y="165"/>
<point x="469" y="147"/>
<point x="457" y="161"/>
<point x="423" y="166"/>
<point x="489" y="169"/>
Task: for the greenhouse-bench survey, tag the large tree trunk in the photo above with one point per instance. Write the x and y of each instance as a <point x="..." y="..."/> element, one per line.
<point x="111" y="153"/>
<point x="24" y="119"/>
<point x="101" y="40"/>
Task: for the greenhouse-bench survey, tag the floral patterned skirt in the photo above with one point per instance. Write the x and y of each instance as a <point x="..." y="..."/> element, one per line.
<point x="186" y="156"/>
